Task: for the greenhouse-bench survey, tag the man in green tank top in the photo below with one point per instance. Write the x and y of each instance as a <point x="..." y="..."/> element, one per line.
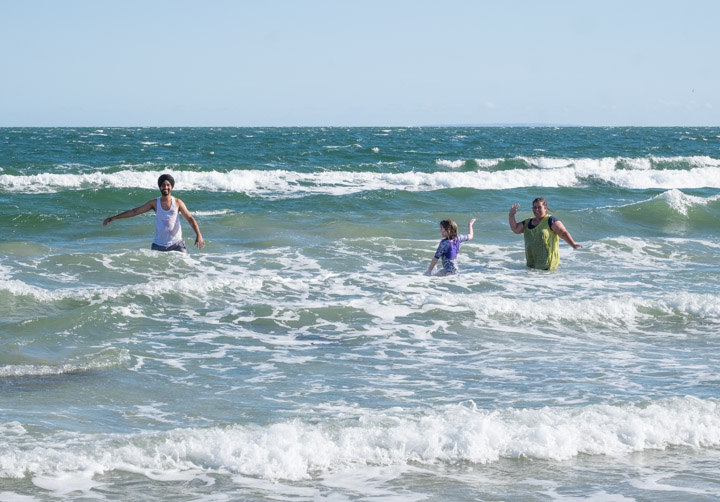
<point x="542" y="250"/>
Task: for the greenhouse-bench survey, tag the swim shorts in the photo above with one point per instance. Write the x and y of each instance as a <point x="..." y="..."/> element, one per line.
<point x="180" y="246"/>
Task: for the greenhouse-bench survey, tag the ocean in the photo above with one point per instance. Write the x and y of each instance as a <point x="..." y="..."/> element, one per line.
<point x="302" y="355"/>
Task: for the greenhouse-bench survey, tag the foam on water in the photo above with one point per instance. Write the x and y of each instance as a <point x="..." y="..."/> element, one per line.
<point x="106" y="359"/>
<point x="212" y="213"/>
<point x="675" y="199"/>
<point x="15" y="497"/>
<point x="189" y="286"/>
<point x="303" y="355"/>
<point x="451" y="164"/>
<point x="498" y="293"/>
<point x="596" y="310"/>
<point x="682" y="202"/>
<point x="297" y="449"/>
<point x="546" y="172"/>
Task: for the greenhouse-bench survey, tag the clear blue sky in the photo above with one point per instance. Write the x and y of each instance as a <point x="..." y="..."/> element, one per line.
<point x="358" y="63"/>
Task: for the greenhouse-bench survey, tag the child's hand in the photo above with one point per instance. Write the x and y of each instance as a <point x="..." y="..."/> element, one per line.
<point x="471" y="222"/>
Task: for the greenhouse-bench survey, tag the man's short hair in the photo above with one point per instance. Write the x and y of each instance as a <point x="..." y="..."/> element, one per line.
<point x="167" y="177"/>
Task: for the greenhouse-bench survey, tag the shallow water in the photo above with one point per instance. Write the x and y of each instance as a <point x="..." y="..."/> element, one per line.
<point x="302" y="354"/>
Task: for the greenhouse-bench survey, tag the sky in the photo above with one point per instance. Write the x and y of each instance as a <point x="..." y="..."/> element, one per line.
<point x="103" y="63"/>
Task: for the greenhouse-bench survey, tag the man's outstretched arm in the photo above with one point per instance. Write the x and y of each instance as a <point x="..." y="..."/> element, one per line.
<point x="132" y="212"/>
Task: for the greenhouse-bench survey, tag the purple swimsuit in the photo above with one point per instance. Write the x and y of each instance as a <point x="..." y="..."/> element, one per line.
<point x="448" y="250"/>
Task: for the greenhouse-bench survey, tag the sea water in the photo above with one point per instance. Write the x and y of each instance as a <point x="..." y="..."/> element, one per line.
<point x="303" y="355"/>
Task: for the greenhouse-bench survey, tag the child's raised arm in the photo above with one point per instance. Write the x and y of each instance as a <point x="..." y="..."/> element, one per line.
<point x="470" y="229"/>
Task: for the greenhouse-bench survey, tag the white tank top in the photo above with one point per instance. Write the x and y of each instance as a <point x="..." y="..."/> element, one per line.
<point x="167" y="225"/>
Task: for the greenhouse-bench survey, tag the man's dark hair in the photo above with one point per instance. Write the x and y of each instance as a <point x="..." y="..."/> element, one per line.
<point x="164" y="177"/>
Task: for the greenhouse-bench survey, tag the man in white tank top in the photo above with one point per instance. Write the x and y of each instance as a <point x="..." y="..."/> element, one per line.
<point x="168" y="233"/>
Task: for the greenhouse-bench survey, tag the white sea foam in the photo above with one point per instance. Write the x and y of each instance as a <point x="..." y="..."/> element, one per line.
<point x="487" y="163"/>
<point x="288" y="183"/>
<point x="548" y="172"/>
<point x="500" y="296"/>
<point x="451" y="164"/>
<point x="552" y="163"/>
<point x="5" y="272"/>
<point x="641" y="164"/>
<point x="298" y="449"/>
<point x="695" y="160"/>
<point x="12" y="429"/>
<point x="598" y="310"/>
<point x="682" y="202"/>
<point x="15" y="497"/>
<point x="62" y="485"/>
<point x="106" y="359"/>
<point x="699" y="177"/>
<point x="675" y="199"/>
<point x="190" y="286"/>
<point x="219" y="212"/>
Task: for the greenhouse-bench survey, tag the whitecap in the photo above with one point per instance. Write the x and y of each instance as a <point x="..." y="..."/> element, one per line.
<point x="546" y="172"/>
<point x="296" y="449"/>
<point x="682" y="202"/>
<point x="451" y="164"/>
<point x="189" y="286"/>
<point x="109" y="358"/>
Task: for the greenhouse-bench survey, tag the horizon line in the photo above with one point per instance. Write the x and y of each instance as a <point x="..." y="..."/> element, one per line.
<point x="471" y="125"/>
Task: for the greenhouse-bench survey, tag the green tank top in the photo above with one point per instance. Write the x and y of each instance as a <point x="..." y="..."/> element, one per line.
<point x="542" y="248"/>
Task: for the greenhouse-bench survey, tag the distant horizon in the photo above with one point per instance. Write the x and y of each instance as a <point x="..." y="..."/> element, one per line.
<point x="428" y="126"/>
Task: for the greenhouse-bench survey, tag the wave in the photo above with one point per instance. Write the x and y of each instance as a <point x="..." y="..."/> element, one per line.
<point x="219" y="212"/>
<point x="189" y="286"/>
<point x="681" y="202"/>
<point x="678" y="202"/>
<point x="689" y="172"/>
<point x="21" y="248"/>
<point x="673" y="211"/>
<point x="475" y="163"/>
<point x="298" y="449"/>
<point x="234" y="283"/>
<point x="605" y="163"/>
<point x="616" y="310"/>
<point x="103" y="360"/>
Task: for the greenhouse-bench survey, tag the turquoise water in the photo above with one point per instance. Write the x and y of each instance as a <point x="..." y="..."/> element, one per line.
<point x="302" y="355"/>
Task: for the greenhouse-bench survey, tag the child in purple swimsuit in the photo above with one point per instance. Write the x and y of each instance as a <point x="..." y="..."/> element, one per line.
<point x="449" y="246"/>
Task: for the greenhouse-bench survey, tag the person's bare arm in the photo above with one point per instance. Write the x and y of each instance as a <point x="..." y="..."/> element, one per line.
<point x="470" y="233"/>
<point x="516" y="227"/>
<point x="199" y="242"/>
<point x="431" y="266"/>
<point x="132" y="212"/>
<point x="562" y="232"/>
